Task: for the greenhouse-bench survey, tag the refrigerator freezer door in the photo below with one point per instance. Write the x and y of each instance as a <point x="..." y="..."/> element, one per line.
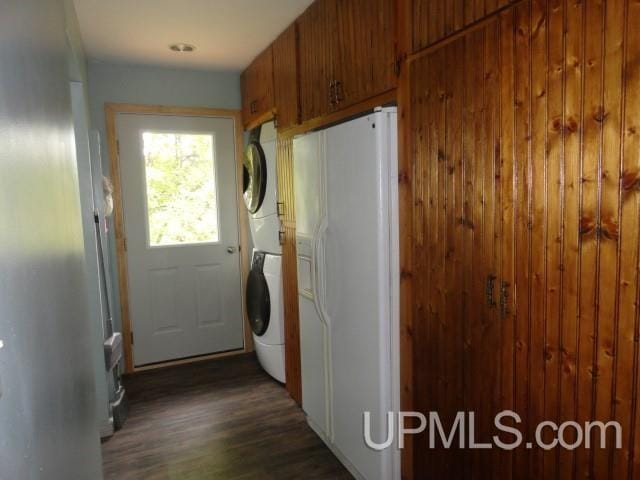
<point x="358" y="280"/>
<point x="314" y="335"/>
<point x="307" y="182"/>
<point x="313" y="343"/>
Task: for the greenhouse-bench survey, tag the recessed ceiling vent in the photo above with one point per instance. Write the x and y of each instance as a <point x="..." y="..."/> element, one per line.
<point x="182" y="47"/>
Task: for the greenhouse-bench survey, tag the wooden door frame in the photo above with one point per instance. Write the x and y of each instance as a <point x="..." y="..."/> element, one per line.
<point x="111" y="112"/>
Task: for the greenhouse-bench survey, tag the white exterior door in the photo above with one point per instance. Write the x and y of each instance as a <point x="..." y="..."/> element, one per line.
<point x="178" y="177"/>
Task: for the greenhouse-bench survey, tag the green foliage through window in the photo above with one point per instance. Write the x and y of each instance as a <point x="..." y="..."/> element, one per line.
<point x="181" y="188"/>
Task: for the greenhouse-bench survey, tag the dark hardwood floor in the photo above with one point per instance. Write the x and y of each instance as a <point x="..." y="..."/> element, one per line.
<point x="222" y="419"/>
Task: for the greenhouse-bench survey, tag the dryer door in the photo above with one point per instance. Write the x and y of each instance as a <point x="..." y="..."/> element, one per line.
<point x="258" y="302"/>
<point x="254" y="176"/>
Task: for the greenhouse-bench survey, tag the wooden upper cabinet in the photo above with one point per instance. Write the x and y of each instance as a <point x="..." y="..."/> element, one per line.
<point x="347" y="54"/>
<point x="338" y="53"/>
<point x="434" y="20"/>
<point x="315" y="52"/>
<point x="257" y="87"/>
<point x="365" y="58"/>
<point x="285" y="77"/>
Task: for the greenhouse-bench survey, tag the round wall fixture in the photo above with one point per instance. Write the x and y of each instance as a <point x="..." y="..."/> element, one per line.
<point x="182" y="47"/>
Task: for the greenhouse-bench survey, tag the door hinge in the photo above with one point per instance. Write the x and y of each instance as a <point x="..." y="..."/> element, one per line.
<point x="132" y="338"/>
<point x="118" y="147"/>
<point x="124" y="244"/>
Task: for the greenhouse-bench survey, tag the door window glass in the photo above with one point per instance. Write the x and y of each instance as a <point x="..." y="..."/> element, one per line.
<point x="181" y="192"/>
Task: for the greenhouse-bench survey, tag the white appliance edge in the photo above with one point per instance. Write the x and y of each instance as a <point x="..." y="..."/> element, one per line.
<point x="384" y="121"/>
<point x="269" y="348"/>
<point x="265" y="223"/>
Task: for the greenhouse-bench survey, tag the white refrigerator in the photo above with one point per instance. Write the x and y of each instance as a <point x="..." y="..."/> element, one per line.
<point x="345" y="180"/>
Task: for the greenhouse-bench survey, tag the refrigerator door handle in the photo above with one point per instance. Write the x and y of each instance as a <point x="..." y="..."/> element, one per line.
<point x="318" y="276"/>
<point x="319" y="296"/>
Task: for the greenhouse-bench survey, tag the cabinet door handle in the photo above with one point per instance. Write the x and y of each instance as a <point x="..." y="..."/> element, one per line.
<point x="504" y="298"/>
<point x="332" y="92"/>
<point x="339" y="92"/>
<point x="489" y="290"/>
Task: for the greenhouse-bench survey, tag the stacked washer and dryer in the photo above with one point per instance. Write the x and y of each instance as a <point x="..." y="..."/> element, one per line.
<point x="264" y="286"/>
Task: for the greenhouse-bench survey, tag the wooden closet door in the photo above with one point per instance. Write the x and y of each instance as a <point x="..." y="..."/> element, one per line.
<point x="455" y="129"/>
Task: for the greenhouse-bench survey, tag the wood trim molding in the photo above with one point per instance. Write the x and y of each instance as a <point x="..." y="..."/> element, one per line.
<point x="263" y="118"/>
<point x="243" y="225"/>
<point x="168" y="110"/>
<point x="111" y="111"/>
<point x="320" y="122"/>
<point x="118" y="217"/>
<point x="405" y="203"/>
<point x="478" y="24"/>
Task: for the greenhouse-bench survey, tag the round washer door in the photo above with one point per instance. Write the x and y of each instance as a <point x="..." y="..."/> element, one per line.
<point x="254" y="176"/>
<point x="258" y="302"/>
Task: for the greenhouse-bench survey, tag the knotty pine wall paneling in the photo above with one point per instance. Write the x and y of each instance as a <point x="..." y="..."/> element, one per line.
<point x="286" y="208"/>
<point x="526" y="167"/>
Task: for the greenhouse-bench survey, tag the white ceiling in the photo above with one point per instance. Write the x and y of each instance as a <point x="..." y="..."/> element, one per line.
<point x="228" y="34"/>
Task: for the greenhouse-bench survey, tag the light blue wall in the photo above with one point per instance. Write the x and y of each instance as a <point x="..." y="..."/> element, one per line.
<point x="120" y="83"/>
<point x="48" y="426"/>
<point x="77" y="69"/>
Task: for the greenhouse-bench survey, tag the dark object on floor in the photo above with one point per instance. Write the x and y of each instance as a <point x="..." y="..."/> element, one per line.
<point x="120" y="409"/>
<point x="222" y="419"/>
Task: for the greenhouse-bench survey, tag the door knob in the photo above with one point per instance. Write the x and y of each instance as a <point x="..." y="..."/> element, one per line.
<point x="231" y="249"/>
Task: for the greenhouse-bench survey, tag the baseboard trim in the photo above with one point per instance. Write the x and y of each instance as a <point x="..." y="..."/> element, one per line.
<point x="186" y="361"/>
